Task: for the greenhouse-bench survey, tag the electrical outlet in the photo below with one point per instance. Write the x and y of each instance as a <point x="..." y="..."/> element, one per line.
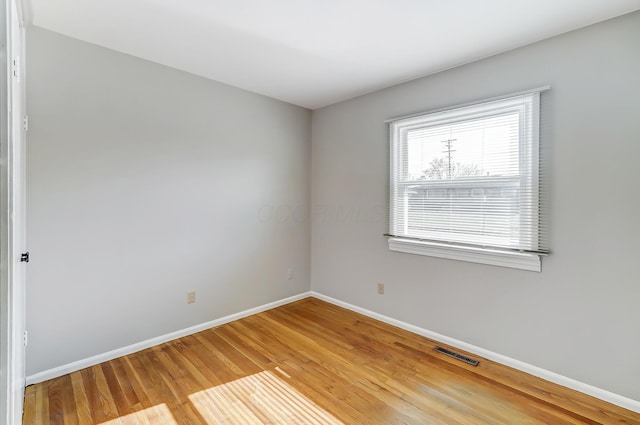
<point x="191" y="297"/>
<point x="381" y="288"/>
<point x="290" y="274"/>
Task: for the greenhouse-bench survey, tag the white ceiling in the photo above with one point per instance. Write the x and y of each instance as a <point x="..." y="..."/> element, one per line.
<point x="314" y="53"/>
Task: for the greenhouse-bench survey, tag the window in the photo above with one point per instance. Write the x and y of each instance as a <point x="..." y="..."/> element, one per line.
<point x="465" y="184"/>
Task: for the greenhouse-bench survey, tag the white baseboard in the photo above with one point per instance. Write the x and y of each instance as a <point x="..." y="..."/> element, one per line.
<point x="110" y="355"/>
<point x="605" y="395"/>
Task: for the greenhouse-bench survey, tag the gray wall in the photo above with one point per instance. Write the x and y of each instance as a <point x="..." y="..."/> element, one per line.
<point x="144" y="183"/>
<point x="579" y="317"/>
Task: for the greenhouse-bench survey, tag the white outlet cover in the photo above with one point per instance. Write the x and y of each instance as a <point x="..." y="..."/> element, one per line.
<point x="191" y="297"/>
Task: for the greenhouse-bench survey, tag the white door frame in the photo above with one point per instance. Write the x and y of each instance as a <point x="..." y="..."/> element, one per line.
<point x="12" y="287"/>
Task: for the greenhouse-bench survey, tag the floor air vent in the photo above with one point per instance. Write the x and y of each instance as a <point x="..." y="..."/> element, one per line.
<point x="458" y="356"/>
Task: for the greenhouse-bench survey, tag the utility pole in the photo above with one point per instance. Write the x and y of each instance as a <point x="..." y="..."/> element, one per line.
<point x="448" y="146"/>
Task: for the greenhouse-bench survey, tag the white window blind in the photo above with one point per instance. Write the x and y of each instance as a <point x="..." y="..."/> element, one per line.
<point x="469" y="176"/>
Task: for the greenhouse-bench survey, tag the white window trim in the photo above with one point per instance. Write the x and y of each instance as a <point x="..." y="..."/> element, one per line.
<point x="515" y="260"/>
<point x="511" y="259"/>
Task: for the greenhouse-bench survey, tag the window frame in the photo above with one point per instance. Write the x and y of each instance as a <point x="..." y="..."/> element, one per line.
<point x="528" y="172"/>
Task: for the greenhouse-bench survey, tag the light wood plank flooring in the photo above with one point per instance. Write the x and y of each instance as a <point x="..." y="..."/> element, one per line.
<point x="308" y="362"/>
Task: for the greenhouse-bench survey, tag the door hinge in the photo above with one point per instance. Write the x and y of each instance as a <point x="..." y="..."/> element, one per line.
<point x="25" y="338"/>
<point x="25" y="122"/>
<point x="24" y="258"/>
<point x="16" y="67"/>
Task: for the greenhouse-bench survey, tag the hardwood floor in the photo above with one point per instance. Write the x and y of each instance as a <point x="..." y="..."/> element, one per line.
<point x="308" y="362"/>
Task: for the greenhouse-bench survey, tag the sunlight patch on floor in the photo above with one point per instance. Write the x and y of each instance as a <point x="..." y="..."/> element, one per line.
<point x="158" y="414"/>
<point x="257" y="399"/>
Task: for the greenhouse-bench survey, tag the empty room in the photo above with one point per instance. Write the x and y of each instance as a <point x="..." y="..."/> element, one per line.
<point x="320" y="212"/>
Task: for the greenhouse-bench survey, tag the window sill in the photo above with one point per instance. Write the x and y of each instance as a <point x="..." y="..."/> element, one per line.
<point x="515" y="260"/>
